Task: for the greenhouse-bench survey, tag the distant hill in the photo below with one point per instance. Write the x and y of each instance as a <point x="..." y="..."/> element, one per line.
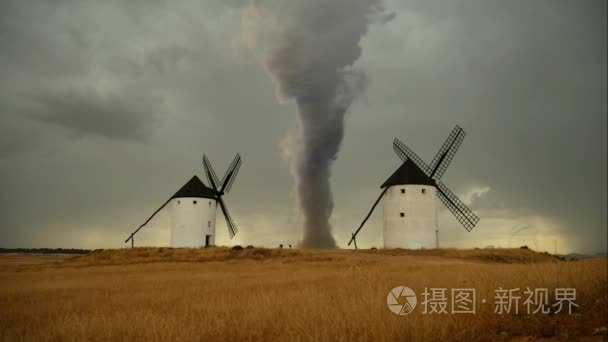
<point x="499" y="255"/>
<point x="577" y="256"/>
<point x="45" y="250"/>
<point x="167" y="254"/>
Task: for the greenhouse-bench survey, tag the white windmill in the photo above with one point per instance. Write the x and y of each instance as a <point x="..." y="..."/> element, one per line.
<point x="193" y="208"/>
<point x="410" y="212"/>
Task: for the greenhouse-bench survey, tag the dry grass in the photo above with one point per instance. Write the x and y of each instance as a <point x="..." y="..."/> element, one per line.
<point x="164" y="294"/>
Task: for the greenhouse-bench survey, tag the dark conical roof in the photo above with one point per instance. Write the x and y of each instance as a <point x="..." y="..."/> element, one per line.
<point x="194" y="188"/>
<point x="408" y="173"/>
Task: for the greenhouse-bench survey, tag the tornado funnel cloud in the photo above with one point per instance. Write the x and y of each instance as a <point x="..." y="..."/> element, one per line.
<point x="308" y="48"/>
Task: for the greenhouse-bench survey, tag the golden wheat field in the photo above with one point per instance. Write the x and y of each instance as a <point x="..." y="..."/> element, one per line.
<point x="164" y="294"/>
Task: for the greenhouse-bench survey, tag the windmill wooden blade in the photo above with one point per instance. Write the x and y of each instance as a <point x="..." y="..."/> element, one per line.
<point x="367" y="217"/>
<point x="235" y="172"/>
<point x="148" y="220"/>
<point x="210" y="173"/>
<point x="463" y="214"/>
<point x="405" y="153"/>
<point x="229" y="223"/>
<point x="229" y="170"/>
<point x="446" y="153"/>
<point x="230" y="175"/>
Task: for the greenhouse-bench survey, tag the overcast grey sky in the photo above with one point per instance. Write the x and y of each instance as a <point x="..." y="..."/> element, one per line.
<point x="106" y="108"/>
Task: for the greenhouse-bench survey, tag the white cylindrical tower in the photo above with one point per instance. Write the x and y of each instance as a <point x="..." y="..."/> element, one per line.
<point x="192" y="211"/>
<point x="410" y="210"/>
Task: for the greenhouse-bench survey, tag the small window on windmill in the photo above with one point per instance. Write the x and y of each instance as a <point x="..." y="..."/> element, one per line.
<point x="402" y="191"/>
<point x="423" y="191"/>
<point x="209" y="203"/>
<point x="193" y="202"/>
<point x="402" y="214"/>
<point x="179" y="202"/>
<point x="208" y="223"/>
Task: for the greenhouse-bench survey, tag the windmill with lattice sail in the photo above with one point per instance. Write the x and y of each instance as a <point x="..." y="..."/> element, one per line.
<point x="193" y="208"/>
<point x="410" y="212"/>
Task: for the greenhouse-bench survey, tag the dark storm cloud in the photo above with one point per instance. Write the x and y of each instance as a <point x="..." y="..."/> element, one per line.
<point x="525" y="79"/>
<point x="56" y="71"/>
<point x="88" y="112"/>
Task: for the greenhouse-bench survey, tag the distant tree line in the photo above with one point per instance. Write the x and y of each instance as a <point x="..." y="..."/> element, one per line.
<point x="45" y="250"/>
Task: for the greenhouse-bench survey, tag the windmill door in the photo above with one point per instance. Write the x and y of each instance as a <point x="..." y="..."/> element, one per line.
<point x="207" y="240"/>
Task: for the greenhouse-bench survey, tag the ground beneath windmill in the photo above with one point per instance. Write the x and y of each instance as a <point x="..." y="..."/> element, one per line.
<point x="164" y="294"/>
